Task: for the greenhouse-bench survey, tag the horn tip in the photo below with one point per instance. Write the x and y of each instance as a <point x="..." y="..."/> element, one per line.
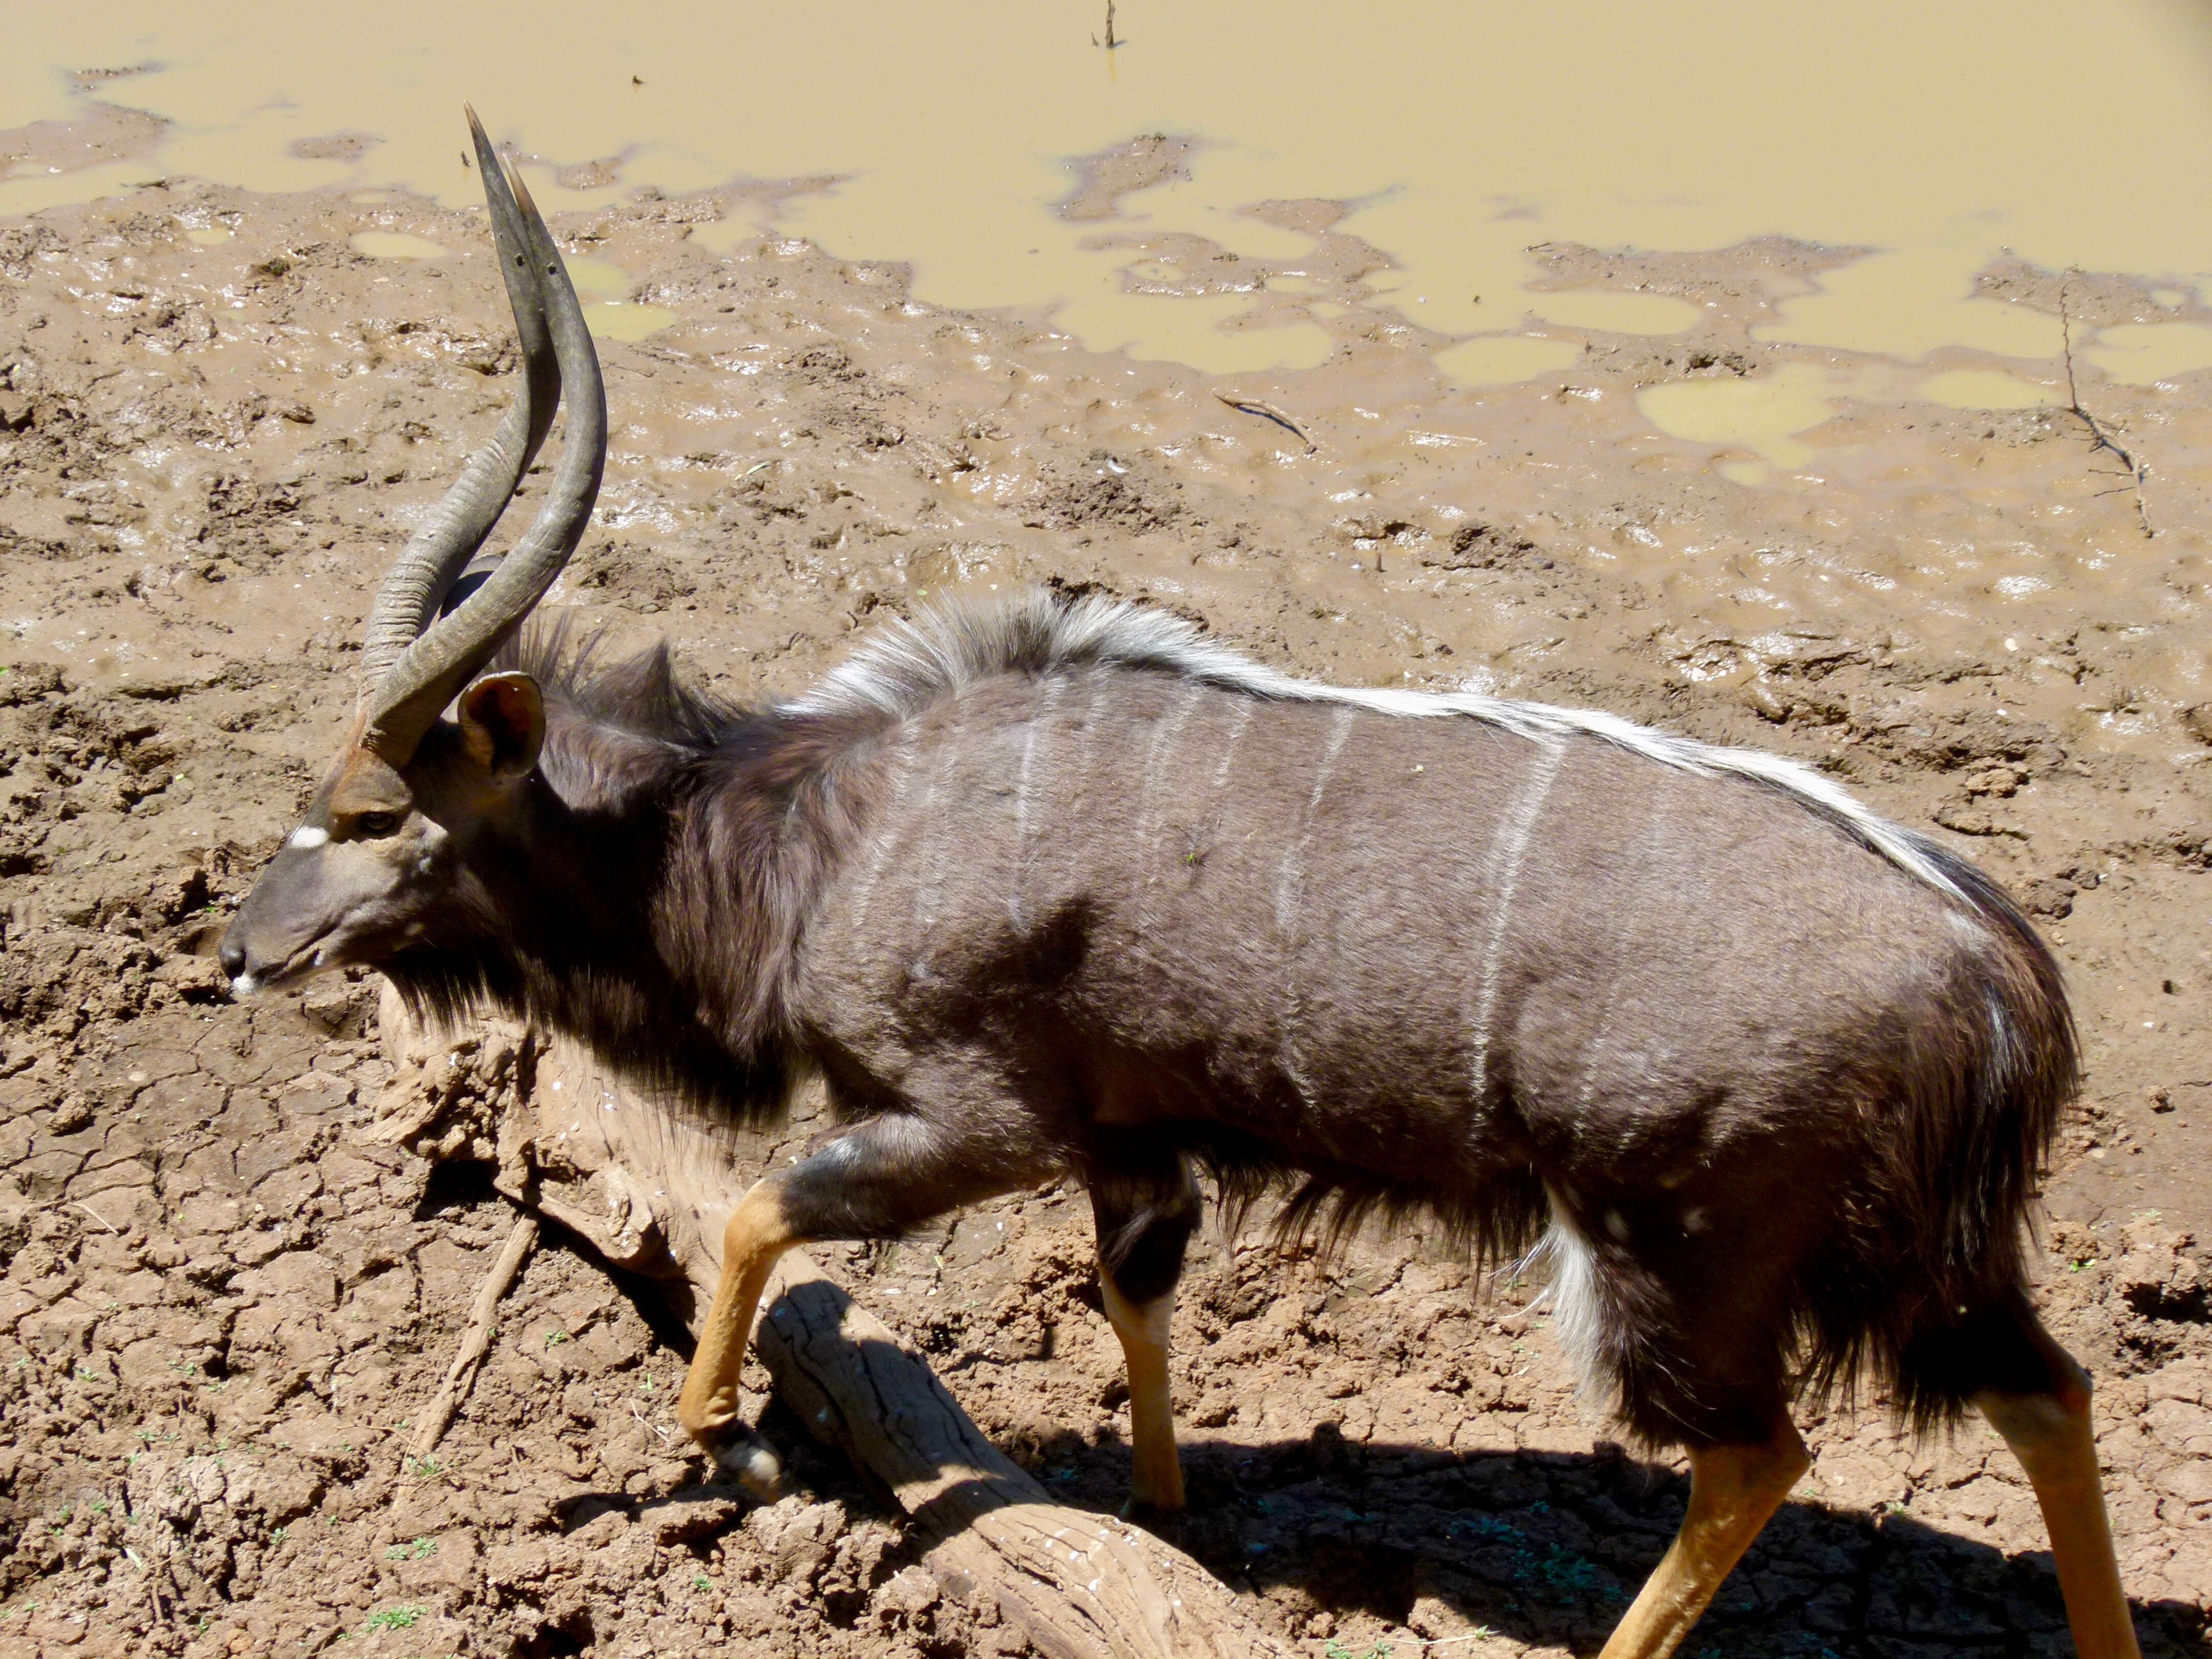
<point x="521" y="190"/>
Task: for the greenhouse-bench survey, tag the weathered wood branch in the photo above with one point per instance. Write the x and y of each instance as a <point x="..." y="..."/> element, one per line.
<point x="475" y="1340"/>
<point x="1078" y="1585"/>
<point x="651" y="1193"/>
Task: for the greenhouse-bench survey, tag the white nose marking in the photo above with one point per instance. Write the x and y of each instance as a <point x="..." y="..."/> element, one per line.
<point x="306" y="837"/>
<point x="245" y="986"/>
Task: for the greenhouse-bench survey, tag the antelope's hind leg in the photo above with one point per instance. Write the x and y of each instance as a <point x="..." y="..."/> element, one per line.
<point x="2037" y="1398"/>
<point x="880" y="1180"/>
<point x="1143" y="1223"/>
<point x="1734" y="1492"/>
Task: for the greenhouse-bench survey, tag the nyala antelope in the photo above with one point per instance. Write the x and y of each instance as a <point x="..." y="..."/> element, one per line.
<point x="1062" y="887"/>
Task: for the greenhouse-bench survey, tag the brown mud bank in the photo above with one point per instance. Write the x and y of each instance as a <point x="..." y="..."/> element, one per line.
<point x="224" y="1306"/>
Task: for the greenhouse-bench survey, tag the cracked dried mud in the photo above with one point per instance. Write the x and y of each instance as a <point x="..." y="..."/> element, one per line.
<point x="223" y="1308"/>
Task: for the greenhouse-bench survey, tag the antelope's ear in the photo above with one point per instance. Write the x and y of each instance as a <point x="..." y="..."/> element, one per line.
<point x="503" y="723"/>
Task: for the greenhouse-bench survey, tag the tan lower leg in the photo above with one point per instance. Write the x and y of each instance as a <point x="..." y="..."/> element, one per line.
<point x="2051" y="1436"/>
<point x="1156" y="1480"/>
<point x="755" y="1235"/>
<point x="1734" y="1490"/>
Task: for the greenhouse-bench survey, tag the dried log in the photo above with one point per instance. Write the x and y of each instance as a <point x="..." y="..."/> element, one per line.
<point x="568" y="1143"/>
<point x="1078" y="1585"/>
<point x="475" y="1340"/>
<point x="651" y="1193"/>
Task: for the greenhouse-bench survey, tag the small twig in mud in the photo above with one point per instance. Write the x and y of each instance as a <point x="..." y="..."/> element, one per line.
<point x="475" y="1340"/>
<point x="1109" y="43"/>
<point x="96" y="1216"/>
<point x="153" y="1571"/>
<point x="2098" y="438"/>
<point x="1269" y="412"/>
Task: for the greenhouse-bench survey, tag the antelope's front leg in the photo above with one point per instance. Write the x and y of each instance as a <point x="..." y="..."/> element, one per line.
<point x="1156" y="1466"/>
<point x="758" y="1231"/>
<point x="879" y="1180"/>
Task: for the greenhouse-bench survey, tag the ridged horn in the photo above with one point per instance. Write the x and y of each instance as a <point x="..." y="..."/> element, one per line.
<point x="457" y="526"/>
<point x="410" y="697"/>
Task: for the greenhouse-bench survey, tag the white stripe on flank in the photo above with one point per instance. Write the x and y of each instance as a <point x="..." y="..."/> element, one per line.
<point x="1505" y="876"/>
<point x="930" y="850"/>
<point x="1167" y="734"/>
<point x="913" y="664"/>
<point x="1238" y="722"/>
<point x="1290" y="876"/>
<point x="1047" y="701"/>
<point x="308" y="836"/>
<point x="1151" y="816"/>
<point x="1290" y="897"/>
<point x="901" y="769"/>
<point x="1094" y="715"/>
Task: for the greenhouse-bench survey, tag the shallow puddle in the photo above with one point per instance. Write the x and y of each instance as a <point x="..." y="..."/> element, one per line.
<point x="616" y="319"/>
<point x="2142" y="353"/>
<point x="1763" y="416"/>
<point x="1461" y="138"/>
<point x="1502" y="359"/>
<point x="1907" y="302"/>
<point x="596" y="278"/>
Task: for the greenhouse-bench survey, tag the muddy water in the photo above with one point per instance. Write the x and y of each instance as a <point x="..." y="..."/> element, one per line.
<point x="1438" y="242"/>
<point x="1930" y="138"/>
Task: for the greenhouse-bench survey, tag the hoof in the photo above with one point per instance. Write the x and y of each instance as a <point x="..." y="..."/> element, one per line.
<point x="1157" y="1519"/>
<point x="743" y="1456"/>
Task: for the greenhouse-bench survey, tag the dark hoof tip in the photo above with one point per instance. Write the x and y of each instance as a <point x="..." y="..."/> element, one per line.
<point x="741" y="1455"/>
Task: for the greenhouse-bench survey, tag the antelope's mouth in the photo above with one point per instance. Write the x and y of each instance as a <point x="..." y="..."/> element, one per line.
<point x="302" y="963"/>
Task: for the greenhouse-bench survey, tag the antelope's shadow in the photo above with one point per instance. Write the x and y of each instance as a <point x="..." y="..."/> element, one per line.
<point x="1545" y="1547"/>
<point x="1549" y="1547"/>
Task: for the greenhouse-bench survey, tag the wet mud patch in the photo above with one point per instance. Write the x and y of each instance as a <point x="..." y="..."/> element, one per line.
<point x="1102" y="180"/>
<point x="223" y="1308"/>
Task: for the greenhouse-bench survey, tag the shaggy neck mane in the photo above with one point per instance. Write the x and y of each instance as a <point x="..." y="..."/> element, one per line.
<point x="677" y="843"/>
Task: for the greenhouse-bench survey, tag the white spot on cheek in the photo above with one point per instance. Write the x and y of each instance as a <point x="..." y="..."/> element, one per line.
<point x="245" y="986"/>
<point x="307" y="837"/>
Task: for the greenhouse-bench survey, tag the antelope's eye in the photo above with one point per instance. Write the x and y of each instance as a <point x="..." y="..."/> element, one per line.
<point x="376" y="823"/>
